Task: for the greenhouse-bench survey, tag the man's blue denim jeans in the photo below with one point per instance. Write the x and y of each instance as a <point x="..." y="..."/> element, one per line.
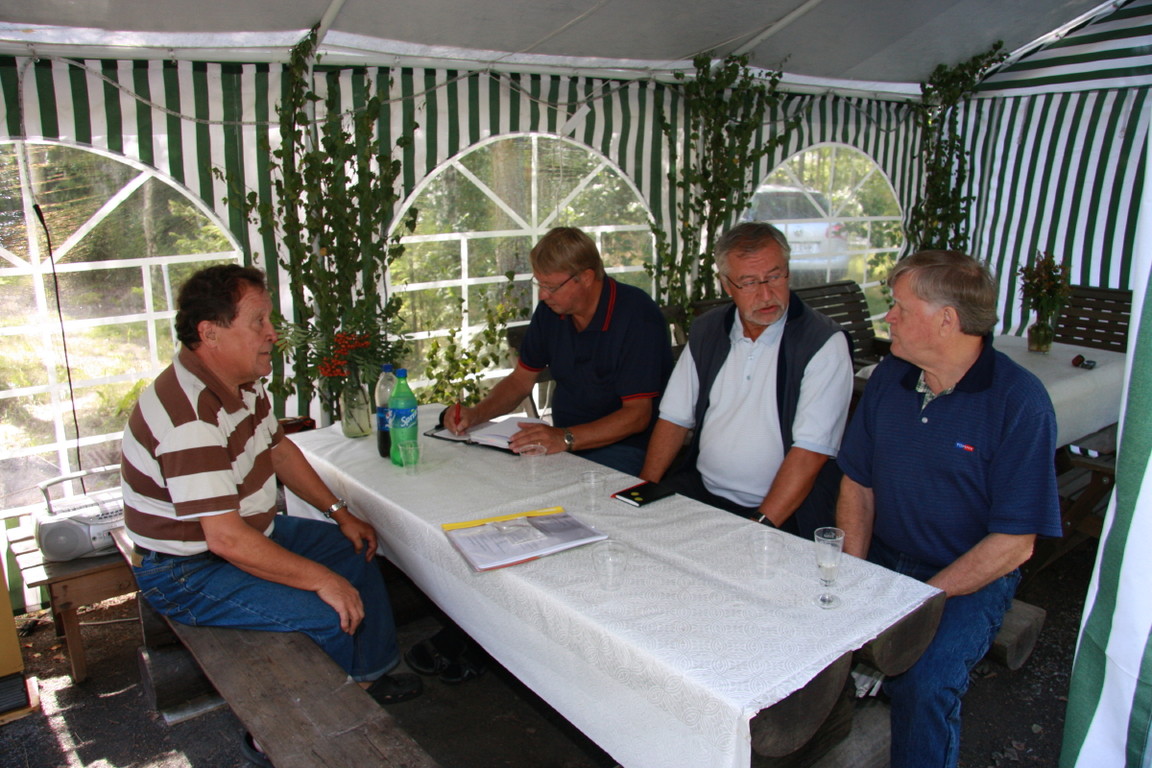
<point x="206" y="590"/>
<point x="926" y="698"/>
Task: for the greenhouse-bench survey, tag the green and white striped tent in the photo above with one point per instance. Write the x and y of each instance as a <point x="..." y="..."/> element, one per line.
<point x="1109" y="716"/>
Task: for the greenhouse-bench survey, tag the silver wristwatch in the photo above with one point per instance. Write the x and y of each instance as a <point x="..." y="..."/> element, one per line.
<point x="569" y="440"/>
<point x="339" y="505"/>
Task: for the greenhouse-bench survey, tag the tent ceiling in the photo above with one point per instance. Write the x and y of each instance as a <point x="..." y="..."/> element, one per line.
<point x="874" y="41"/>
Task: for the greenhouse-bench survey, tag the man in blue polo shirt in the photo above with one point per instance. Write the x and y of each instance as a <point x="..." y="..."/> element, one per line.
<point x="608" y="350"/>
<point x="948" y="478"/>
<point x="607" y="346"/>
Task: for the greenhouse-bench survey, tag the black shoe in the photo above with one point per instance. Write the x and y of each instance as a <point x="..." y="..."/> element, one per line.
<point x="466" y="666"/>
<point x="425" y="659"/>
<point x="393" y="689"/>
<point x="253" y="753"/>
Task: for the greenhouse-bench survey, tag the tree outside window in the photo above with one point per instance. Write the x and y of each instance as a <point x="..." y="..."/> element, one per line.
<point x="123" y="240"/>
<point x="480" y="215"/>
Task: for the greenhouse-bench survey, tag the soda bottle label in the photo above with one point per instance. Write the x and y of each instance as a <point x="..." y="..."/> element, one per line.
<point x="403" y="417"/>
<point x="382" y="419"/>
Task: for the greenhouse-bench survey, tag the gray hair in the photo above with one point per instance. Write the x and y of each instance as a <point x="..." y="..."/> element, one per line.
<point x="746" y="238"/>
<point x="952" y="279"/>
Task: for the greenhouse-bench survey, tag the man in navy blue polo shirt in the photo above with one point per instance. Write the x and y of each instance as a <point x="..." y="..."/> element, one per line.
<point x="948" y="478"/>
<point x="606" y="345"/>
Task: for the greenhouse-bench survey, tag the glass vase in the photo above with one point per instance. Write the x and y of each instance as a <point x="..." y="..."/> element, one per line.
<point x="356" y="411"/>
<point x="1040" y="335"/>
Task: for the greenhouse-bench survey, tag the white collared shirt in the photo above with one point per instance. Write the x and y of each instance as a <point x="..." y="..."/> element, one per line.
<point x="740" y="447"/>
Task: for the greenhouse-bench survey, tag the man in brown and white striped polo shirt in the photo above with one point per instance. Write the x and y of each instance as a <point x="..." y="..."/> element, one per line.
<point x="202" y="453"/>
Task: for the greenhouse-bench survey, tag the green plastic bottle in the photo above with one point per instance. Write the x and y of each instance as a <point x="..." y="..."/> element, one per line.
<point x="402" y="415"/>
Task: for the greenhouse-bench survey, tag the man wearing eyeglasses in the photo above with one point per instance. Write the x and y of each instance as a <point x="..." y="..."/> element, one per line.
<point x="763" y="388"/>
<point x="607" y="347"/>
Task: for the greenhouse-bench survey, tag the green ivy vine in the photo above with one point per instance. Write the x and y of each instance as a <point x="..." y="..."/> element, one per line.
<point x="332" y="203"/>
<point x="725" y="109"/>
<point x="939" y="219"/>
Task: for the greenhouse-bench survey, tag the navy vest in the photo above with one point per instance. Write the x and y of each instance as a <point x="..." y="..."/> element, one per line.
<point x="805" y="333"/>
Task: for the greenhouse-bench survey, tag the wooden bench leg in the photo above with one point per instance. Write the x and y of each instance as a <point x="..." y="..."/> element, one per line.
<point x="788" y="724"/>
<point x="70" y="623"/>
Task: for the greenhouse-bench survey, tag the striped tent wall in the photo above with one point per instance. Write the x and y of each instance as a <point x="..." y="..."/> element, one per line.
<point x="1058" y="141"/>
<point x="885" y="131"/>
<point x="1067" y="129"/>
<point x="1109" y="717"/>
<point x="1059" y="173"/>
<point x="190" y="119"/>
<point x="1075" y="157"/>
<point x="1106" y="53"/>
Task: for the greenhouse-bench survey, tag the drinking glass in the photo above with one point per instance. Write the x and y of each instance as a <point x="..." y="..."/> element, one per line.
<point x="611" y="559"/>
<point x="592" y="484"/>
<point x="410" y="456"/>
<point x="829" y="545"/>
<point x="533" y="456"/>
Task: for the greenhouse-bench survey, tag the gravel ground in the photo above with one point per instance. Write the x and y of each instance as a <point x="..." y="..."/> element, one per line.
<point x="1010" y="718"/>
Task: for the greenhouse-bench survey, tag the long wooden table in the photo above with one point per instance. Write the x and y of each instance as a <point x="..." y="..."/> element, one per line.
<point x="670" y="668"/>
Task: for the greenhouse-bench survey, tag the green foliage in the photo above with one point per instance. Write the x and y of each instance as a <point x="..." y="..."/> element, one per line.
<point x="456" y="368"/>
<point x="725" y="108"/>
<point x="334" y="193"/>
<point x="939" y="218"/>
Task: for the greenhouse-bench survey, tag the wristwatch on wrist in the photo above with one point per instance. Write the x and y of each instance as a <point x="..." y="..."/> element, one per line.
<point x="339" y="505"/>
<point x="569" y="440"/>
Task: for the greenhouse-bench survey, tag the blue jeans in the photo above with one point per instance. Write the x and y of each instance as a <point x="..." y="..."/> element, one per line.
<point x="926" y="698"/>
<point x="206" y="590"/>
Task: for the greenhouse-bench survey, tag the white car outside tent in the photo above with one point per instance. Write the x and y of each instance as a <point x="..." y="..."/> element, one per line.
<point x="820" y="252"/>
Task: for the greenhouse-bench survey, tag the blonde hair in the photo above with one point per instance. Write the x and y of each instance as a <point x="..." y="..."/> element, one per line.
<point x="568" y="250"/>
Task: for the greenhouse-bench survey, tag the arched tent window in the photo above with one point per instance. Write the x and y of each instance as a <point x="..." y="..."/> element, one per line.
<point x="840" y="215"/>
<point x="482" y="211"/>
<point x="123" y="239"/>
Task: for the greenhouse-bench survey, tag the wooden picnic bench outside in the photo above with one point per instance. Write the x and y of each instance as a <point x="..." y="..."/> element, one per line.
<point x="1096" y="318"/>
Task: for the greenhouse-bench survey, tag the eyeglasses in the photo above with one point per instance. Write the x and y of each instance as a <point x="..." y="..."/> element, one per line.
<point x="552" y="288"/>
<point x="752" y="284"/>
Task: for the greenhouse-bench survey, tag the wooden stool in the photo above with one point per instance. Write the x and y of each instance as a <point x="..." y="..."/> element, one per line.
<point x="70" y="585"/>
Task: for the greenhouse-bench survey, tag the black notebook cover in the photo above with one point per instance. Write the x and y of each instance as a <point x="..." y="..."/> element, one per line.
<point x="644" y="493"/>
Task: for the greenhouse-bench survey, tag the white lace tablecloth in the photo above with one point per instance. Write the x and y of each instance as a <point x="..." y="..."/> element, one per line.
<point x="666" y="671"/>
<point x="1084" y="400"/>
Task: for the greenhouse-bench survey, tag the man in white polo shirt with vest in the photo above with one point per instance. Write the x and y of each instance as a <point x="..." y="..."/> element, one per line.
<point x="763" y="387"/>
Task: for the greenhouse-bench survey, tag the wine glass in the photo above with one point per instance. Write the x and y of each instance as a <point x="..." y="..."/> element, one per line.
<point x="829" y="545"/>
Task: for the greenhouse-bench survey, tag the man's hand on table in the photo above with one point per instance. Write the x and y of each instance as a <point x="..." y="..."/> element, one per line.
<point x="552" y="438"/>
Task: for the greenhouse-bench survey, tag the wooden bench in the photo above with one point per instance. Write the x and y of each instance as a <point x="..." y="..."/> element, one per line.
<point x="844" y="301"/>
<point x="303" y="709"/>
<point x="70" y="585"/>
